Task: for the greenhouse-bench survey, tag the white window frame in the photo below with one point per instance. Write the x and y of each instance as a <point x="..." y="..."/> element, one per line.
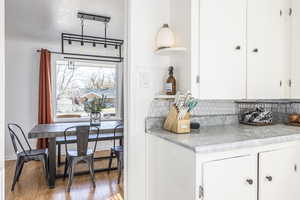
<point x="119" y="94"/>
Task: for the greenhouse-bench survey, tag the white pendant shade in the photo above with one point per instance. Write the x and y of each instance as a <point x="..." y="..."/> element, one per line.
<point x="165" y="38"/>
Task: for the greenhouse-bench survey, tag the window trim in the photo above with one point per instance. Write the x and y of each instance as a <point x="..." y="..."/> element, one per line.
<point x="119" y="94"/>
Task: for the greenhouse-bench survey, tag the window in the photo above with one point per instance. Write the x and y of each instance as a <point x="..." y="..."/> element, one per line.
<point x="78" y="82"/>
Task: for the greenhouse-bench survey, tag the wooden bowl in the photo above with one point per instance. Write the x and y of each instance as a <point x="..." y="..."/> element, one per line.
<point x="294" y="118"/>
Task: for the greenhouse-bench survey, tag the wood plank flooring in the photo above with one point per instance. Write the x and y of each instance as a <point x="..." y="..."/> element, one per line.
<point x="32" y="184"/>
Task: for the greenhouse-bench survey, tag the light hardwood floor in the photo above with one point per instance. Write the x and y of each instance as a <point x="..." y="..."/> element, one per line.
<point x="32" y="185"/>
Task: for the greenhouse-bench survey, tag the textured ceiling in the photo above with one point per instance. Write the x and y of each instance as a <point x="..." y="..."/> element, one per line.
<point x="45" y="20"/>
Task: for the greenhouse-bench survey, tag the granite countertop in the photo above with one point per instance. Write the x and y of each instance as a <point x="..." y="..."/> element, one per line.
<point x="230" y="137"/>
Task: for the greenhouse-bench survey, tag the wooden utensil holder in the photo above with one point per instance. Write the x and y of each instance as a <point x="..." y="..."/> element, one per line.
<point x="175" y="125"/>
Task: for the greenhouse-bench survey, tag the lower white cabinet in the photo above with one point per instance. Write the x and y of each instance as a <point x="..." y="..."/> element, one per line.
<point x="276" y="173"/>
<point x="279" y="175"/>
<point x="261" y="173"/>
<point x="233" y="178"/>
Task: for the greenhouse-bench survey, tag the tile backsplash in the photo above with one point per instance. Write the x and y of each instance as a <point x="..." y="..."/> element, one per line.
<point x="219" y="112"/>
<point x="207" y="113"/>
<point x="160" y="108"/>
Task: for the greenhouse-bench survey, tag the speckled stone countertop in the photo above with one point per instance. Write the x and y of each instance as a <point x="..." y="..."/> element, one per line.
<point x="230" y="137"/>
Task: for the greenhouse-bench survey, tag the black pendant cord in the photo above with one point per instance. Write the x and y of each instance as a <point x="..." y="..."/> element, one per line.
<point x="105" y="34"/>
<point x="82" y="26"/>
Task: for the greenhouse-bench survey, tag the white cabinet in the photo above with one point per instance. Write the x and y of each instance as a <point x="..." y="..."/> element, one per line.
<point x="269" y="172"/>
<point x="295" y="66"/>
<point x="276" y="174"/>
<point x="222" y="49"/>
<point x="233" y="179"/>
<point x="268" y="48"/>
<point x="279" y="175"/>
<point x="244" y="49"/>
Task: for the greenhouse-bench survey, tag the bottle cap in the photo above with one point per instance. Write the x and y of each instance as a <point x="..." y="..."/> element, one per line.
<point x="171" y="69"/>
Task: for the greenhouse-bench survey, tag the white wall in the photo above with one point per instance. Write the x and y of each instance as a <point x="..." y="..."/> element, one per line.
<point x="2" y="70"/>
<point x="22" y="83"/>
<point x="145" y="19"/>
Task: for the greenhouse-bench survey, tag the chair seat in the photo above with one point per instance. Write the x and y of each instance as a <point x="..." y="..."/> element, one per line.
<point x="34" y="152"/>
<point x="117" y="149"/>
<point x="74" y="153"/>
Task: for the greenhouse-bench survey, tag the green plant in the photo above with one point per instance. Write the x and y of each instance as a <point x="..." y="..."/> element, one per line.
<point x="95" y="105"/>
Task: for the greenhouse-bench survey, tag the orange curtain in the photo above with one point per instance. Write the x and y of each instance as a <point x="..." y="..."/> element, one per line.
<point x="45" y="94"/>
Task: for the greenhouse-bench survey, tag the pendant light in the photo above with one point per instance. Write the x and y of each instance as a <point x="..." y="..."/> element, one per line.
<point x="165" y="37"/>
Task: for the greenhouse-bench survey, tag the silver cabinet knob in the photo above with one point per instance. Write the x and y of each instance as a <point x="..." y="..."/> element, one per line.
<point x="269" y="178"/>
<point x="238" y="47"/>
<point x="250" y="181"/>
<point x="255" y="50"/>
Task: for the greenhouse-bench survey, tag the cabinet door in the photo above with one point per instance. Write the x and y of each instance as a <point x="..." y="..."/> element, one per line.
<point x="295" y="69"/>
<point x="268" y="48"/>
<point x="278" y="175"/>
<point x="230" y="179"/>
<point x="222" y="49"/>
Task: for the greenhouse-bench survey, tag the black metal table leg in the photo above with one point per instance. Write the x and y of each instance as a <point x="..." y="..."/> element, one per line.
<point x="52" y="162"/>
<point x="58" y="155"/>
<point x="121" y="142"/>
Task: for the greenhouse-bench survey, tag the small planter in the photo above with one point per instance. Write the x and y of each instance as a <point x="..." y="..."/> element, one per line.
<point x="95" y="118"/>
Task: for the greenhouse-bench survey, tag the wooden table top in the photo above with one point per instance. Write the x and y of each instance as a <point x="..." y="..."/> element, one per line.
<point x="57" y="129"/>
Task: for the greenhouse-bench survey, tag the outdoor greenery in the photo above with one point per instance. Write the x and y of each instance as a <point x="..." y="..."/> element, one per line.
<point x="95" y="105"/>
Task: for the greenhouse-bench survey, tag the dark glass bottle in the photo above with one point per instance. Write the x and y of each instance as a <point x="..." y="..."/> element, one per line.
<point x="170" y="85"/>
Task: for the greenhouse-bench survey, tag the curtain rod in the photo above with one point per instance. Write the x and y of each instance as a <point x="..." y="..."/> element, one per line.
<point x="54" y="52"/>
<point x="83" y="57"/>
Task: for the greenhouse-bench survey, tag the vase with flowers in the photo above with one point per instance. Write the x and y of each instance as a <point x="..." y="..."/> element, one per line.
<point x="94" y="107"/>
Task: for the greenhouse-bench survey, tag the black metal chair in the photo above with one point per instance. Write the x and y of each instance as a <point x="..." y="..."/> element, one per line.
<point x="118" y="152"/>
<point x="24" y="155"/>
<point x="82" y="153"/>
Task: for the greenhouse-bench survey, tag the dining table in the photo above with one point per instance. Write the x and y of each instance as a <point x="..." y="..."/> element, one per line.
<point x="55" y="130"/>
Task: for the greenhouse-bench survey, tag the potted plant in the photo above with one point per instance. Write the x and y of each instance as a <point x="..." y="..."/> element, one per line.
<point x="94" y="108"/>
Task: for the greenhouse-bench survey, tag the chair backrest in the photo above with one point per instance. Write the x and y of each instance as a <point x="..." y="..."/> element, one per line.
<point x="119" y="126"/>
<point x="82" y="137"/>
<point x="14" y="131"/>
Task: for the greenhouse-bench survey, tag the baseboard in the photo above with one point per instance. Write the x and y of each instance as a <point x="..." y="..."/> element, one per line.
<point x="10" y="157"/>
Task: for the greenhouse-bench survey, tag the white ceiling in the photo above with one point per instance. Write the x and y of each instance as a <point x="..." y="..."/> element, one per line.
<point x="45" y="20"/>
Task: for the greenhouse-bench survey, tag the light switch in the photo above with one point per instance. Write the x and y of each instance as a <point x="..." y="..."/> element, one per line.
<point x="144" y="79"/>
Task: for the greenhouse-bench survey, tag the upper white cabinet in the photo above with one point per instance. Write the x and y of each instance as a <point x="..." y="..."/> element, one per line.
<point x="233" y="178"/>
<point x="268" y="48"/>
<point x="295" y="69"/>
<point x="223" y="49"/>
<point x="244" y="49"/>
